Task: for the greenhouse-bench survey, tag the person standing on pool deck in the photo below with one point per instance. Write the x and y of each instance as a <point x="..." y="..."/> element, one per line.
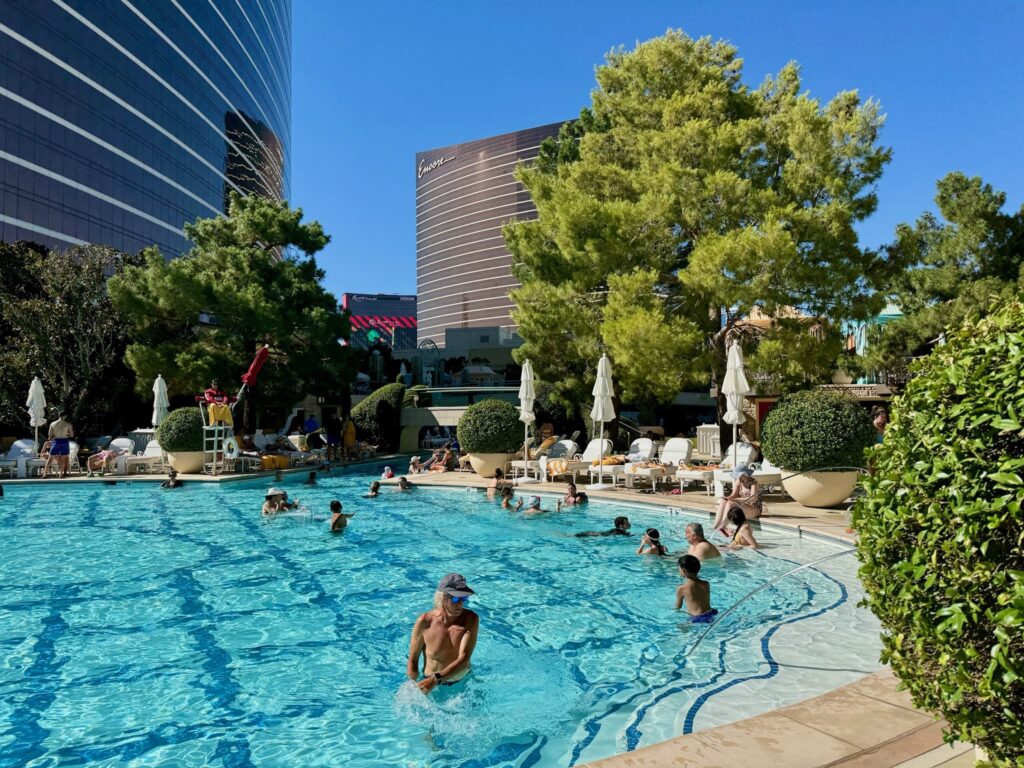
<point x="444" y="636"/>
<point x="60" y="434"/>
<point x="700" y="547"/>
<point x="694" y="592"/>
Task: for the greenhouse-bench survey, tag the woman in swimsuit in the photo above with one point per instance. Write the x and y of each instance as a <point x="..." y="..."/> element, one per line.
<point x="746" y="495"/>
<point x="742" y="535"/>
<point x="651" y="544"/>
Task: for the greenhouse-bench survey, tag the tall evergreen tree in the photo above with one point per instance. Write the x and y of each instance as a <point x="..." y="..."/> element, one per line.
<point x="681" y="202"/>
<point x="250" y="279"/>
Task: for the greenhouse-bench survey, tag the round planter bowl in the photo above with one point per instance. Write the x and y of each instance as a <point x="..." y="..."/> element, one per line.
<point x="484" y="464"/>
<point x="186" y="462"/>
<point x="820" y="489"/>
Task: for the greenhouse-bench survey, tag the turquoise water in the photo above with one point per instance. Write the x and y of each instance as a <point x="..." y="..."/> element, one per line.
<point x="179" y="628"/>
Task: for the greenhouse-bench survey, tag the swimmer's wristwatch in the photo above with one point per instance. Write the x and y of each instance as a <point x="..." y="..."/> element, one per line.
<point x="438" y="677"/>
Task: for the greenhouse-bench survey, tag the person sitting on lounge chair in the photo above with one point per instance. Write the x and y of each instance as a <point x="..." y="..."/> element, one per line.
<point x="100" y="462"/>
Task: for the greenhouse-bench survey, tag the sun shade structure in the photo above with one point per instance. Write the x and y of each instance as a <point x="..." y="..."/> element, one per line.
<point x="603" y="410"/>
<point x="36" y="405"/>
<point x="161" y="404"/>
<point x="735" y="387"/>
<point x="527" y="394"/>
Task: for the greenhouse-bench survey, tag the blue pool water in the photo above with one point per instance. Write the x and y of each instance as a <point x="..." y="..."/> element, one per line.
<point x="178" y="628"/>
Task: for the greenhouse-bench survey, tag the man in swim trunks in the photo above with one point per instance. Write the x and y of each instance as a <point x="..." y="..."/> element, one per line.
<point x="700" y="547"/>
<point x="694" y="592"/>
<point x="60" y="436"/>
<point x="444" y="636"/>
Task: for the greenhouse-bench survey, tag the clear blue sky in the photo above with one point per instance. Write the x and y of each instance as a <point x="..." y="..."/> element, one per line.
<point x="373" y="83"/>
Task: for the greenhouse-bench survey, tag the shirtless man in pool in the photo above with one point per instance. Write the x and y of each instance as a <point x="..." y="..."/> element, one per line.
<point x="445" y="636"/>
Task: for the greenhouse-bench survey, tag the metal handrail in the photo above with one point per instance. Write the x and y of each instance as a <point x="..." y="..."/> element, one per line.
<point x="758" y="589"/>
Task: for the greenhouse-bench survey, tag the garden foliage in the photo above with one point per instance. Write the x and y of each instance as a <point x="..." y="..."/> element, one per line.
<point x="942" y="534"/>
<point x="491" y="426"/>
<point x="424" y="397"/>
<point x="817" y="429"/>
<point x="181" y="431"/>
<point x="378" y="418"/>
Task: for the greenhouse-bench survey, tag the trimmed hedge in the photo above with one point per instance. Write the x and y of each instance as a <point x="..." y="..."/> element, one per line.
<point x="942" y="535"/>
<point x="181" y="431"/>
<point x="817" y="428"/>
<point x="491" y="426"/>
<point x="378" y="418"/>
<point x="424" y="397"/>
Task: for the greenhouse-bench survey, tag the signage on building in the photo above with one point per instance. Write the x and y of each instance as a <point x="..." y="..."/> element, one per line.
<point x="422" y="170"/>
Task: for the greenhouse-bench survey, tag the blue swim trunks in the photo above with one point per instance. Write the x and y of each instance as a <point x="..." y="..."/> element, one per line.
<point x="705" y="618"/>
<point x="60" y="446"/>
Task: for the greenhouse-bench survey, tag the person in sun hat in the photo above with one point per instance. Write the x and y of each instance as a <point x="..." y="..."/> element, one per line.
<point x="444" y="636"/>
<point x="277" y="501"/>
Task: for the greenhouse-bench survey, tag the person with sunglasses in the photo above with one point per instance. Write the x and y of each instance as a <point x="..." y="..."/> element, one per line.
<point x="444" y="636"/>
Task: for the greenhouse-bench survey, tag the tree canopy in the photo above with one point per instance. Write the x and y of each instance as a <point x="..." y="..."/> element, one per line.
<point x="250" y="279"/>
<point x="681" y="202"/>
<point x="961" y="263"/>
<point x="58" y="323"/>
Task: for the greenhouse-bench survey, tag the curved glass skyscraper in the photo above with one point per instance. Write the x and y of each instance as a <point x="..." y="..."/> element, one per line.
<point x="120" y="120"/>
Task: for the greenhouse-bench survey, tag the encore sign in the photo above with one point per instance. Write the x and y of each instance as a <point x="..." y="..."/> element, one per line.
<point x="422" y="170"/>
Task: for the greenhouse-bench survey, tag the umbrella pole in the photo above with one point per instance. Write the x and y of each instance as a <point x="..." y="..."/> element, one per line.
<point x="735" y="452"/>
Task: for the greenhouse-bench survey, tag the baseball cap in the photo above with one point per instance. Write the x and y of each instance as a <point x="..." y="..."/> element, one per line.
<point x="275" y="492"/>
<point x="454" y="585"/>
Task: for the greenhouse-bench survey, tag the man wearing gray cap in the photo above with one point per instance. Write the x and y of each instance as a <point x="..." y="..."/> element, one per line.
<point x="445" y="636"/>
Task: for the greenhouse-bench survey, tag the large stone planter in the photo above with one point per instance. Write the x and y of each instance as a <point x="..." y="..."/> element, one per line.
<point x="820" y="489"/>
<point x="186" y="462"/>
<point x="484" y="464"/>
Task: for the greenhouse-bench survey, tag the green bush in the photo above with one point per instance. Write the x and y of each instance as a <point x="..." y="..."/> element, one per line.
<point x="815" y="429"/>
<point x="181" y="431"/>
<point x="491" y="426"/>
<point x="424" y="397"/>
<point x="942" y="535"/>
<point x="378" y="417"/>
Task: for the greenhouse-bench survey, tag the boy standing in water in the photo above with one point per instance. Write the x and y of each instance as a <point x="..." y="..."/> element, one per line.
<point x="695" y="592"/>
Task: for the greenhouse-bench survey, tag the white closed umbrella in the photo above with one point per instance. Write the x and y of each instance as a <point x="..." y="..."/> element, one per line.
<point x="735" y="387"/>
<point x="603" y="410"/>
<point x="527" y="394"/>
<point x="161" y="405"/>
<point x="36" y="405"/>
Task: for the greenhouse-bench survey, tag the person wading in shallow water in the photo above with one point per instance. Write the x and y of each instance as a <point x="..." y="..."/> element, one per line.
<point x="444" y="636"/>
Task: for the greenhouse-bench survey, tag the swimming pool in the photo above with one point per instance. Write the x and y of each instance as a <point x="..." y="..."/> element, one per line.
<point x="146" y="627"/>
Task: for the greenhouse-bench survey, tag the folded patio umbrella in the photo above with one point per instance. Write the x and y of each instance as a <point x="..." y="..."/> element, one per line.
<point x="249" y="377"/>
<point x="603" y="392"/>
<point x="735" y="387"/>
<point x="161" y="404"/>
<point x="527" y="394"/>
<point x="36" y="404"/>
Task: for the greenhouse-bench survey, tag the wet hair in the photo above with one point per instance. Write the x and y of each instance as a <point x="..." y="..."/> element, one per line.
<point x="736" y="516"/>
<point x="621" y="522"/>
<point x="375" y="485"/>
<point x="571" y="486"/>
<point x="507" y="492"/>
<point x="312" y="475"/>
<point x="403" y="483"/>
<point x="652" y="533"/>
<point x="498" y="474"/>
<point x="173" y="473"/>
<point x="690" y="564"/>
<point x="336" y="507"/>
<point x="697" y="528"/>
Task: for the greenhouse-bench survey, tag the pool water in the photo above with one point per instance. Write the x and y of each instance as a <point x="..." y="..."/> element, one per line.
<point x="179" y="628"/>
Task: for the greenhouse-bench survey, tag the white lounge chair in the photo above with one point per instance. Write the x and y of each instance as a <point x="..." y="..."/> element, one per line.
<point x="677" y="452"/>
<point x="577" y="464"/>
<point x="126" y="447"/>
<point x="560" y="450"/>
<point x="640" y="450"/>
<point x="14" y="461"/>
<point x="766" y="474"/>
<point x="744" y="453"/>
<point x="151" y="460"/>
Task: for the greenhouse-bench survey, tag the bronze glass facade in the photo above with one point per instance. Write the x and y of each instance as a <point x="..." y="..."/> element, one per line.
<point x="464" y="194"/>
<point x="121" y="121"/>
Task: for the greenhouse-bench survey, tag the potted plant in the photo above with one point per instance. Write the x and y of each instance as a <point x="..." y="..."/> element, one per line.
<point x="491" y="433"/>
<point x="818" y="437"/>
<point x="181" y="437"/>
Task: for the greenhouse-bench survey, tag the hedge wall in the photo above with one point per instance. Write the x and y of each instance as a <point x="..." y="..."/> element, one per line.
<point x="378" y="417"/>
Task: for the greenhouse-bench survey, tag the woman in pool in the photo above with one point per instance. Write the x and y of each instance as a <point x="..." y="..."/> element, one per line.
<point x="277" y="501"/>
<point x="496" y="483"/>
<point x="742" y="535"/>
<point x="374" y="490"/>
<point x="403" y="485"/>
<point x="572" y="496"/>
<point x="506" y="500"/>
<point x="651" y="544"/>
<point x="746" y="495"/>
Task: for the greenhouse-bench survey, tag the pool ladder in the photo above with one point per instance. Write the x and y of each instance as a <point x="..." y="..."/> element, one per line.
<point x="753" y="592"/>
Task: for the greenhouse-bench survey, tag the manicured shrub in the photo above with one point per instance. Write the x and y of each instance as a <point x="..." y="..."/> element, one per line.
<point x="409" y="400"/>
<point x="815" y="429"/>
<point x="181" y="431"/>
<point x="942" y="535"/>
<point x="378" y="417"/>
<point x="491" y="426"/>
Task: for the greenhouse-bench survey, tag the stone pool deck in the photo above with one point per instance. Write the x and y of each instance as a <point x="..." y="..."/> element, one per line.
<point x="867" y="724"/>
